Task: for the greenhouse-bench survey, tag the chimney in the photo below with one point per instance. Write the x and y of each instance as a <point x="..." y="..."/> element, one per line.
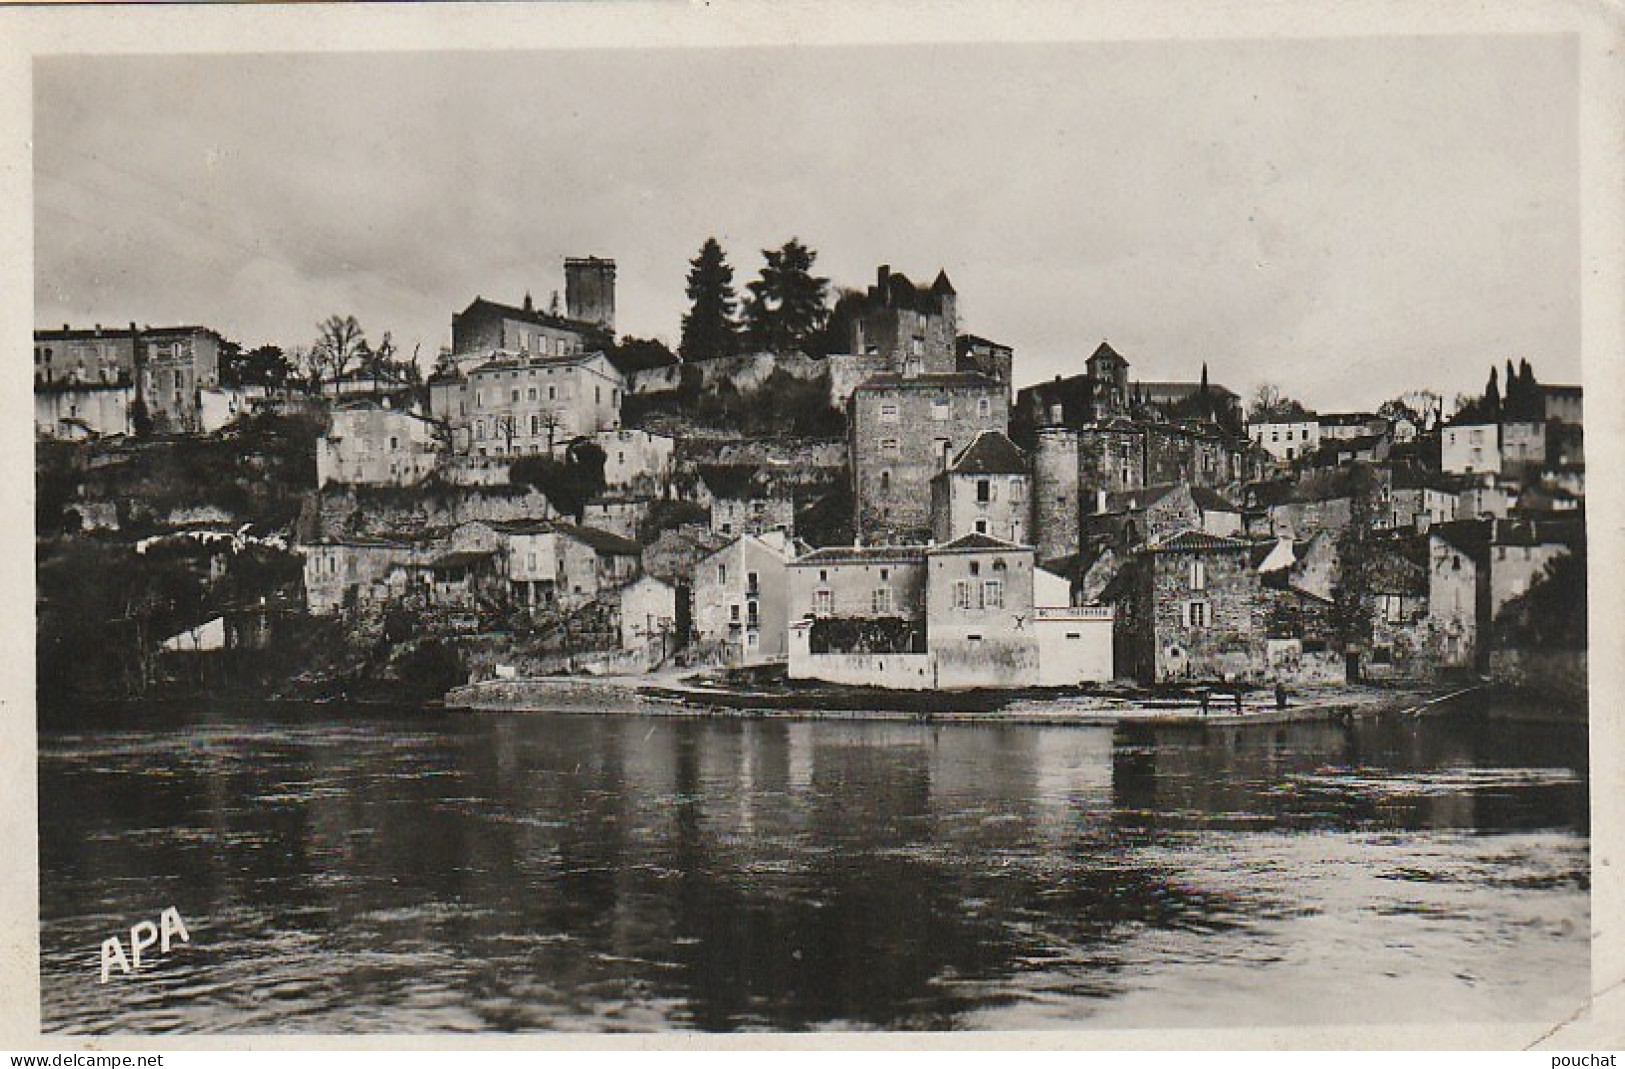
<point x="882" y="277"/>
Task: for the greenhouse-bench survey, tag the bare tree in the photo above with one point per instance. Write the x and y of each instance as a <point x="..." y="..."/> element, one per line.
<point x="340" y="343"/>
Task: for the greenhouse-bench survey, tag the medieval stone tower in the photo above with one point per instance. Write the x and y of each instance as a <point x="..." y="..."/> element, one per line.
<point x="589" y="291"/>
<point x="1057" y="511"/>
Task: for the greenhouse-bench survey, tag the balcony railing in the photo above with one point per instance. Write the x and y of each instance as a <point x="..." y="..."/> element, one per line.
<point x="1074" y="612"/>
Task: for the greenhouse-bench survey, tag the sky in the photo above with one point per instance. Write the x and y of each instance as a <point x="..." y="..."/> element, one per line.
<point x="1346" y="219"/>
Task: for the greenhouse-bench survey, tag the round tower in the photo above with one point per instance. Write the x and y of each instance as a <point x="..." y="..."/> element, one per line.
<point x="1056" y="516"/>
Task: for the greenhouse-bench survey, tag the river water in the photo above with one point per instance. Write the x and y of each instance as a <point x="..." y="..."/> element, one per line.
<point x="434" y="872"/>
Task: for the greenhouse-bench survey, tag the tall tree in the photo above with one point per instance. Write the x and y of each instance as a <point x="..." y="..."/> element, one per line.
<point x="709" y="328"/>
<point x="340" y="343"/>
<point x="1492" y="396"/>
<point x="786" y="308"/>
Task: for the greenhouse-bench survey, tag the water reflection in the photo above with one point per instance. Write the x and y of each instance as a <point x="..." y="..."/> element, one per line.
<point x="517" y="873"/>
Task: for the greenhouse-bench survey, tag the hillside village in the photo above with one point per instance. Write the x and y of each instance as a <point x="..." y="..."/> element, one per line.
<point x="855" y="490"/>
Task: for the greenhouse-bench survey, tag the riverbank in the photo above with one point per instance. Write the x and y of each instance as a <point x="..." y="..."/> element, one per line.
<point x="673" y="696"/>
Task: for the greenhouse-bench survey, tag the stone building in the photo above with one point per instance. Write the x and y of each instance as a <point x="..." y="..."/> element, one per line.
<point x="649" y="617"/>
<point x="104" y="357"/>
<point x="1563" y="404"/>
<point x="741" y="600"/>
<point x="915" y="328"/>
<point x="620" y="514"/>
<point x="859" y="583"/>
<point x="175" y="364"/>
<point x="1523" y="448"/>
<point x="589" y="291"/>
<point x="904" y="430"/>
<point x="1128" y="518"/>
<point x="591" y="563"/>
<point x="486" y="327"/>
<point x="1520" y="551"/>
<point x="1471" y="448"/>
<point x="76" y="412"/>
<point x="986" y="489"/>
<point x="374" y="445"/>
<point x="748" y="499"/>
<point x="352" y="572"/>
<point x="1287" y="439"/>
<point x="636" y="458"/>
<point x="526" y="405"/>
<point x="1190" y="607"/>
<point x="1459" y="592"/>
<point x="979" y="613"/>
<point x="984" y="357"/>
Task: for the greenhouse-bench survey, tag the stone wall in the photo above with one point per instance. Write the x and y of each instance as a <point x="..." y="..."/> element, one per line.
<point x="383" y="512"/>
<point x="1056" y="463"/>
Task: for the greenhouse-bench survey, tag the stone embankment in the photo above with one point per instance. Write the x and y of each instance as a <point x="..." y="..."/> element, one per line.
<point x="677" y="697"/>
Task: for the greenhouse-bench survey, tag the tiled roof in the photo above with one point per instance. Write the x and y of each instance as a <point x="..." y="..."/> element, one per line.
<point x="480" y="304"/>
<point x="990" y="453"/>
<point x="976" y="543"/>
<point x="1566" y="532"/>
<point x="1471" y="537"/>
<point x="1105" y="352"/>
<point x="600" y="540"/>
<point x="862" y="555"/>
<point x="1193" y="541"/>
<point x="1211" y="500"/>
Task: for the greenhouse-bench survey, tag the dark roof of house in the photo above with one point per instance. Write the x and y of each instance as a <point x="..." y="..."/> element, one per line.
<point x="521" y="527"/>
<point x="863" y="555"/>
<point x="975" y="542"/>
<point x="1143" y="498"/>
<point x="1539" y="532"/>
<point x="481" y="306"/>
<point x="1471" y="537"/>
<point x="1105" y="353"/>
<point x="976" y="341"/>
<point x="1212" y="501"/>
<point x="1348" y="419"/>
<point x="1193" y="541"/>
<point x="600" y="540"/>
<point x="460" y="559"/>
<point x="938" y="380"/>
<point x="1153" y="390"/>
<point x="741" y="482"/>
<point x="1075" y="566"/>
<point x="990" y="453"/>
<point x="507" y="362"/>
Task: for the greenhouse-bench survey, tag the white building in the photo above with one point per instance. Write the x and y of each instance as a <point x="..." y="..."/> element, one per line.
<point x="523" y="405"/>
<point x="1287" y="440"/>
<point x="1471" y="448"/>
<point x="649" y="618"/>
<point x="631" y="456"/>
<point x="368" y="444"/>
<point x="741" y="597"/>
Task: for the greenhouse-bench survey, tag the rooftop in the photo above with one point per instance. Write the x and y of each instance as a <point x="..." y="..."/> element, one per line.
<point x="906" y="554"/>
<point x="990" y="453"/>
<point x="977" y="543"/>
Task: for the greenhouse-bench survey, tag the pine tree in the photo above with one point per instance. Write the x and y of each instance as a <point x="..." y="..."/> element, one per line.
<point x="786" y="309"/>
<point x="709" y="330"/>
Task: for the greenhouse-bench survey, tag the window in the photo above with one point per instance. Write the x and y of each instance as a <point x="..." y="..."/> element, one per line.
<point x="535" y="423"/>
<point x="888" y="445"/>
<point x="1196" y="614"/>
<point x="753" y="613"/>
<point x="993" y="594"/>
<point x="722" y="573"/>
<point x="552" y="393"/>
<point x="976" y="567"/>
<point x="885" y="574"/>
<point x="880" y="601"/>
<point x="823" y="575"/>
<point x="752" y="584"/>
<point x="984" y="491"/>
<point x="479" y="430"/>
<point x="984" y="408"/>
<point x="394" y="442"/>
<point x="733" y="613"/>
<point x="940" y="411"/>
<point x="1198" y="575"/>
<point x="515" y="397"/>
<point x="823" y="603"/>
<point x="530" y="394"/>
<point x="981" y="527"/>
<point x="885" y="482"/>
<point x="888" y="413"/>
